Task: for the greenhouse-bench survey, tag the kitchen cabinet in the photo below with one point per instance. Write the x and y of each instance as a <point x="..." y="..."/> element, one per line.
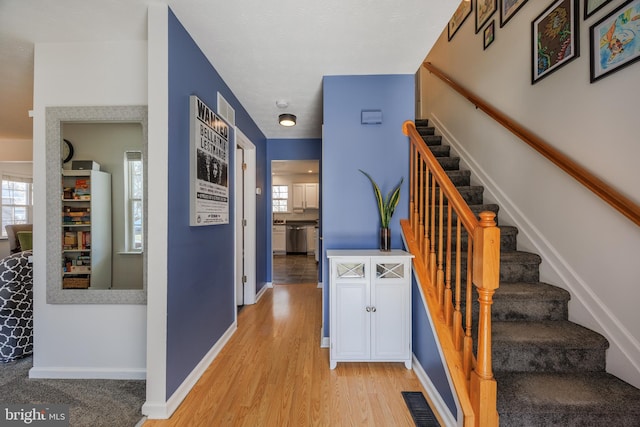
<point x="370" y="306"/>
<point x="278" y="239"/>
<point x="86" y="229"/>
<point x="305" y="196"/>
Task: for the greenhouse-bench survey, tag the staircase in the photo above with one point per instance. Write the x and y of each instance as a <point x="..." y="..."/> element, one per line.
<point x="550" y="371"/>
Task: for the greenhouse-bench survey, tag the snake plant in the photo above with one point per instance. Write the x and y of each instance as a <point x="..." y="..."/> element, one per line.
<point x="387" y="205"/>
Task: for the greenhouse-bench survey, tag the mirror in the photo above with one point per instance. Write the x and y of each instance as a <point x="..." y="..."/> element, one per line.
<point x="102" y="227"/>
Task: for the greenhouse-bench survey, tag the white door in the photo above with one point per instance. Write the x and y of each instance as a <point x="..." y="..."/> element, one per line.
<point x="245" y="196"/>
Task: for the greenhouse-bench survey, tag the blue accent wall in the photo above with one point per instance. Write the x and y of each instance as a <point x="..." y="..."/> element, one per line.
<point x="288" y="149"/>
<point x="426" y="350"/>
<point x="200" y="260"/>
<point x="350" y="216"/>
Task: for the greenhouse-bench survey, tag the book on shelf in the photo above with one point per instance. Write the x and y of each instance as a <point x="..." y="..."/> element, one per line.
<point x="83" y="189"/>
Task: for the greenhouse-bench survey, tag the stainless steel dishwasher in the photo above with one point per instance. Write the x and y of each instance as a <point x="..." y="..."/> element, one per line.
<point x="296" y="239"/>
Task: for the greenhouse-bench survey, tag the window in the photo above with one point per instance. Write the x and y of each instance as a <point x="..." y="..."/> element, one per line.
<point x="280" y="198"/>
<point x="17" y="201"/>
<point x="134" y="185"/>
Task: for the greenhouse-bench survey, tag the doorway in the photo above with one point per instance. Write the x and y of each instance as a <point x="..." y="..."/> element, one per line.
<point x="245" y="219"/>
<point x="295" y="191"/>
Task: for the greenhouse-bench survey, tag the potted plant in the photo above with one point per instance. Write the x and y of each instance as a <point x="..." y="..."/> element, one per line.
<point x="386" y="207"/>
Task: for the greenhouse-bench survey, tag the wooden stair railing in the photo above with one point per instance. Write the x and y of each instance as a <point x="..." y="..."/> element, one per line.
<point x="431" y="240"/>
<point x="603" y="190"/>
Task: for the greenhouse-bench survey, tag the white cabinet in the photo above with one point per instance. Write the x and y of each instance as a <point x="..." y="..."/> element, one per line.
<point x="305" y="196"/>
<point x="370" y="306"/>
<point x="278" y="240"/>
<point x="86" y="229"/>
<point x="312" y="232"/>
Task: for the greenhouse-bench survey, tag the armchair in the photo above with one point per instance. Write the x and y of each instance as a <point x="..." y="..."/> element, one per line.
<point x="12" y="235"/>
<point x="16" y="306"/>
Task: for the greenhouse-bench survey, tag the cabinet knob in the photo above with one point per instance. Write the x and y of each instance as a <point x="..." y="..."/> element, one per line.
<point x="373" y="309"/>
<point x="368" y="309"/>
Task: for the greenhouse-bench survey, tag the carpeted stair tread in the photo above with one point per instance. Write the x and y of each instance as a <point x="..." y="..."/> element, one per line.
<point x="508" y="236"/>
<point x="556" y="346"/>
<point x="529" y="302"/>
<point x="566" y="399"/>
<point x="449" y="163"/>
<point x="459" y="177"/>
<point x="515" y="266"/>
<point x="426" y="130"/>
<point x="440" y="150"/>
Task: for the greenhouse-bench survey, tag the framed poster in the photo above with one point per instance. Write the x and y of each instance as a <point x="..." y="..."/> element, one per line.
<point x="208" y="166"/>
<point x="614" y="40"/>
<point x="592" y="6"/>
<point x="554" y="38"/>
<point x="484" y="10"/>
<point x="489" y="34"/>
<point x="508" y="8"/>
<point x="459" y="16"/>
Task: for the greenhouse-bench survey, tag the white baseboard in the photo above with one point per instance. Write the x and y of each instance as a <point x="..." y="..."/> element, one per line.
<point x="440" y="407"/>
<point x="261" y="292"/>
<point x="163" y="410"/>
<point x="88" y="373"/>
<point x="324" y="341"/>
<point x="320" y="285"/>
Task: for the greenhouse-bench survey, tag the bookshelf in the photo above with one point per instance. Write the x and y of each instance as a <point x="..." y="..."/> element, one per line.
<point x="86" y="229"/>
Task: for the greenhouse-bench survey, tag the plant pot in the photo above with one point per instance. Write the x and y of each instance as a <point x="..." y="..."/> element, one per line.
<point x="385" y="239"/>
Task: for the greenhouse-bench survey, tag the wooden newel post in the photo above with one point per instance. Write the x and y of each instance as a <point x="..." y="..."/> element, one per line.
<point x="486" y="277"/>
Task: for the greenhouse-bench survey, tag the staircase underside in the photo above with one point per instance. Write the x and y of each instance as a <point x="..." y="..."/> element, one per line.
<point x="550" y="371"/>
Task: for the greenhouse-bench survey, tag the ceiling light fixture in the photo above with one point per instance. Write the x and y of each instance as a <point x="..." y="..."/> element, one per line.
<point x="287" y="119"/>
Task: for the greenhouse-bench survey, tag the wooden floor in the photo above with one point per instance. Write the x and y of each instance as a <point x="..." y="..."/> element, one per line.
<point x="274" y="373"/>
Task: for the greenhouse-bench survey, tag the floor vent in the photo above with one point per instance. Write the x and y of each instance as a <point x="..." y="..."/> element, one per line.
<point x="422" y="414"/>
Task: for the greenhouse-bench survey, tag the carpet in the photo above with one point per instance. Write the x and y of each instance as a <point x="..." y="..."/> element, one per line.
<point x="92" y="403"/>
<point x="420" y="411"/>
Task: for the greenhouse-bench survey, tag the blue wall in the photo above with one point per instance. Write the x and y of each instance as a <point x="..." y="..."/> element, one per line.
<point x="349" y="211"/>
<point x="426" y="350"/>
<point x="200" y="260"/>
<point x="288" y="149"/>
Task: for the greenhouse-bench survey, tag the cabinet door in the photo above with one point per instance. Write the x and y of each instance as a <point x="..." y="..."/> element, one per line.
<point x="279" y="239"/>
<point x="390" y="302"/>
<point x="311" y="196"/>
<point x="350" y="339"/>
<point x="298" y="196"/>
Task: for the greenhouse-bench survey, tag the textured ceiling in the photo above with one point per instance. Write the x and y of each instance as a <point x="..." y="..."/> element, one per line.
<point x="266" y="50"/>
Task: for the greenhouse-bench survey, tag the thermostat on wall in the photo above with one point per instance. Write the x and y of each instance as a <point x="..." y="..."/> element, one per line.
<point x="371" y="117"/>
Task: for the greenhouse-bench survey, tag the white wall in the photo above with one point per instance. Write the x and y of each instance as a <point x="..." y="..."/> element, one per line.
<point x="75" y="340"/>
<point x="587" y="247"/>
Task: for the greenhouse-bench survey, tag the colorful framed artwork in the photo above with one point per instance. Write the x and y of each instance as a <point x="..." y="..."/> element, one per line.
<point x="508" y="8"/>
<point x="484" y="10"/>
<point x="592" y="6"/>
<point x="459" y="16"/>
<point x="489" y="34"/>
<point x="555" y="39"/>
<point x="615" y="40"/>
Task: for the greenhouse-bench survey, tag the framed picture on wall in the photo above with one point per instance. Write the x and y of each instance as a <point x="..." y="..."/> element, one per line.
<point x="489" y="34"/>
<point x="508" y="8"/>
<point x="592" y="6"/>
<point x="554" y="38"/>
<point x="484" y="10"/>
<point x="459" y="16"/>
<point x="614" y="42"/>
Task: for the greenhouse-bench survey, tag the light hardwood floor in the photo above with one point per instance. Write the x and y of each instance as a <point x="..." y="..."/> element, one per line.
<point x="274" y="373"/>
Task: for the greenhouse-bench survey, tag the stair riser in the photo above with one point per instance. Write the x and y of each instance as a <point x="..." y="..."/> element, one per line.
<point x="510" y="272"/>
<point x="440" y="150"/>
<point x="514" y="358"/>
<point x="459" y="179"/>
<point x="426" y="130"/>
<point x="507" y="241"/>
<point x="509" y="310"/>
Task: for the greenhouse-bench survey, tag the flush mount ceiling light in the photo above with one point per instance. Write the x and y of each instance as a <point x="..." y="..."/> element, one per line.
<point x="287" y="119"/>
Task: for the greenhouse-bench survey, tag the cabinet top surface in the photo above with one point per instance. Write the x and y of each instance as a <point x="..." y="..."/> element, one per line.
<point x="336" y="253"/>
